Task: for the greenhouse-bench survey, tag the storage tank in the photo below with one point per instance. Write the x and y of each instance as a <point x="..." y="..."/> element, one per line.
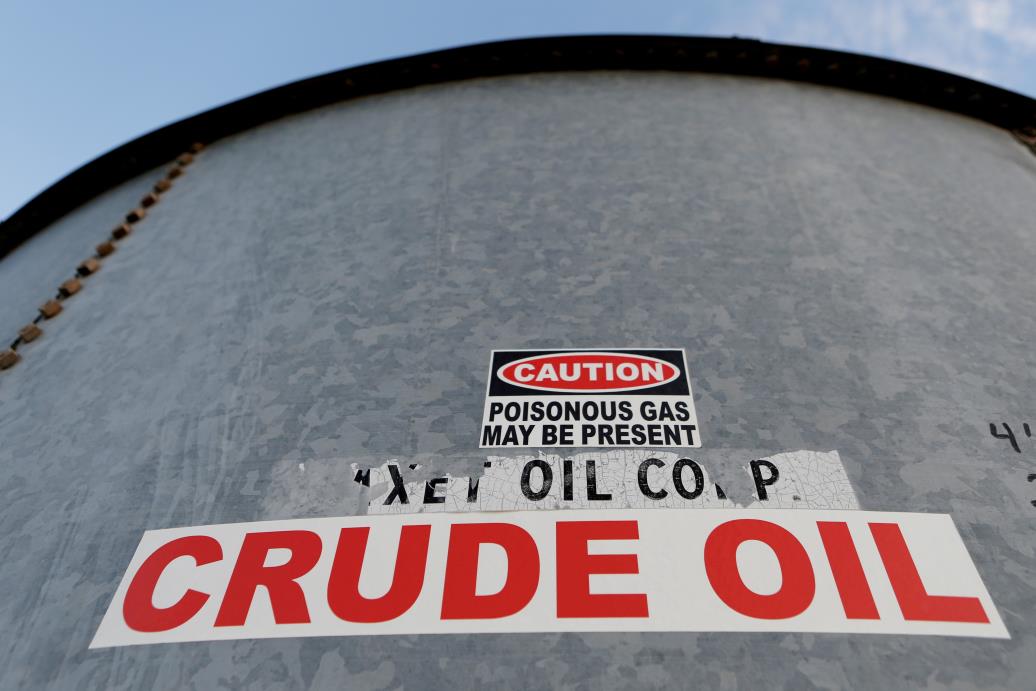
<point x="585" y="362"/>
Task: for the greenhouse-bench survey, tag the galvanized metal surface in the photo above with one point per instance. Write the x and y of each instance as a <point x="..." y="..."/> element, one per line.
<point x="845" y="272"/>
<point x="33" y="274"/>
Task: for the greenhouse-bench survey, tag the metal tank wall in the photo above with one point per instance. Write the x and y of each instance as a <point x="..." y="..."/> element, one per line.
<point x="845" y="271"/>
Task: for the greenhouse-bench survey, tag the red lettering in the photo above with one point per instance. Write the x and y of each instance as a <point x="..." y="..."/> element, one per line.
<point x="847" y="570"/>
<point x="914" y="600"/>
<point x="286" y="596"/>
<point x="343" y="587"/>
<point x="459" y="600"/>
<point x="139" y="611"/>
<point x="797" y="582"/>
<point x="575" y="565"/>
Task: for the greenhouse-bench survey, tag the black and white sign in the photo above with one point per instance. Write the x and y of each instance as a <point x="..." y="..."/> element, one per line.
<point x="609" y="397"/>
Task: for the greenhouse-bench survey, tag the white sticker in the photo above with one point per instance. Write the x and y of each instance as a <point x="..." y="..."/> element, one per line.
<point x="548" y="571"/>
<point x="639" y="397"/>
<point x="615" y="479"/>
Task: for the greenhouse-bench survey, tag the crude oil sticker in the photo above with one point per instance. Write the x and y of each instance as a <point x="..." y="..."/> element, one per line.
<point x="549" y="571"/>
<point x="637" y="397"/>
<point x="614" y="479"/>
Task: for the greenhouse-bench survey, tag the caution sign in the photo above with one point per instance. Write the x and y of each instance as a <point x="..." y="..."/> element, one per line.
<point x="549" y="571"/>
<point x="589" y="398"/>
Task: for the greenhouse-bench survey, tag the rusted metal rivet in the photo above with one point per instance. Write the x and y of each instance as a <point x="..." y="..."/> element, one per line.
<point x="148" y="199"/>
<point x="184" y="159"/>
<point x="30" y="332"/>
<point x="196" y="147"/>
<point x="9" y="358"/>
<point x="89" y="266"/>
<point x="105" y="248"/>
<point x="70" y="287"/>
<point x="803" y="64"/>
<point x="711" y="55"/>
<point x="174" y="172"/>
<point x="772" y="59"/>
<point x="161" y="186"/>
<point x="135" y="215"/>
<point x="122" y="230"/>
<point x="50" y="309"/>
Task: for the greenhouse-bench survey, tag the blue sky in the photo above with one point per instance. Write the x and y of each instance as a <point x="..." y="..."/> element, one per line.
<point x="79" y="78"/>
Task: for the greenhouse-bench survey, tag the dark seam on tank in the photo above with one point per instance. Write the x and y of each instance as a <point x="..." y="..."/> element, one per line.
<point x="10" y="356"/>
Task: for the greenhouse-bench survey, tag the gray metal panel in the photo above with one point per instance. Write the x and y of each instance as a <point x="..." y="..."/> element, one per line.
<point x="32" y="273"/>
<point x="845" y="272"/>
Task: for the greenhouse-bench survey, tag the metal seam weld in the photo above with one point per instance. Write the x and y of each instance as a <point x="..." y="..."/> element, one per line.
<point x="50" y="309"/>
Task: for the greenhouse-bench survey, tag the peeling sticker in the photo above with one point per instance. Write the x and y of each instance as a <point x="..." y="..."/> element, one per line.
<point x="615" y="479"/>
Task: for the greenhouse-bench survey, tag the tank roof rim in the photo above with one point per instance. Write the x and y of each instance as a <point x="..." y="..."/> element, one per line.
<point x="699" y="54"/>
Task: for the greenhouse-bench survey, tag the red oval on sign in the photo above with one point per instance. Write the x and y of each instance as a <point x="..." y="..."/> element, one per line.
<point x="588" y="372"/>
